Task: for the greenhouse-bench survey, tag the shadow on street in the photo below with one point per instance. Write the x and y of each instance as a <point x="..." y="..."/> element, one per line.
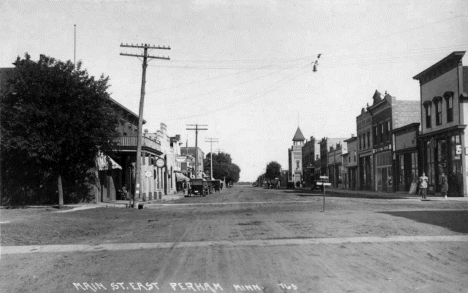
<point x="317" y="192"/>
<point x="452" y="220"/>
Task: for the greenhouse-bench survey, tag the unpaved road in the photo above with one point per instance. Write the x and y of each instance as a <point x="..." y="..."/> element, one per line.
<point x="242" y="240"/>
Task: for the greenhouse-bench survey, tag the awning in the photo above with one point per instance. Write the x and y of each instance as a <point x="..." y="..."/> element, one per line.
<point x="102" y="162"/>
<point x="181" y="177"/>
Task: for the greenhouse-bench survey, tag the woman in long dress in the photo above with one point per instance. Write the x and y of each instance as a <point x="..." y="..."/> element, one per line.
<point x="444" y="187"/>
<point x="423" y="185"/>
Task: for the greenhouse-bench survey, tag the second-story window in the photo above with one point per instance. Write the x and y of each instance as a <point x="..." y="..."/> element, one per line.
<point x="368" y="139"/>
<point x="438" y="109"/>
<point x="427" y="106"/>
<point x="449" y="102"/>
<point x="382" y="133"/>
<point x="375" y="135"/>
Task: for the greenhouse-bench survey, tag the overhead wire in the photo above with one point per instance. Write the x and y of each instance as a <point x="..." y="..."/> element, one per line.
<point x="226" y="88"/>
<point x="250" y="98"/>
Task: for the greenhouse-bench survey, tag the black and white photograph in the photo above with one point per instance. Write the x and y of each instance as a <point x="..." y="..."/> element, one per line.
<point x="233" y="146"/>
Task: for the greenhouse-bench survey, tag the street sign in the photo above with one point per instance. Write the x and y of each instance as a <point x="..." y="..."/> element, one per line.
<point x="324" y="183"/>
<point x="160" y="163"/>
<point x="324" y="177"/>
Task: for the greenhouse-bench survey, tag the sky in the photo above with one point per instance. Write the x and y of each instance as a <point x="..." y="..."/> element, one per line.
<point x="244" y="68"/>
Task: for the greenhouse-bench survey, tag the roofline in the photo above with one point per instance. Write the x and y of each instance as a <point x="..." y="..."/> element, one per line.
<point x="350" y="139"/>
<point x="454" y="55"/>
<point x="414" y="125"/>
<point x="125" y="108"/>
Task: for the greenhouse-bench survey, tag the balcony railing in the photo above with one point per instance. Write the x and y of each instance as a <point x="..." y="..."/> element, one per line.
<point x="145" y="141"/>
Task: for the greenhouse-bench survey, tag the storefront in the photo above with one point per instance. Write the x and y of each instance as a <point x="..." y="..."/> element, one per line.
<point x="365" y="172"/>
<point x="383" y="171"/>
<point x="406" y="157"/>
<point x="442" y="153"/>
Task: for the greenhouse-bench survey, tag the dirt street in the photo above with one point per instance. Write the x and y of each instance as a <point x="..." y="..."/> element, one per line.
<point x="244" y="239"/>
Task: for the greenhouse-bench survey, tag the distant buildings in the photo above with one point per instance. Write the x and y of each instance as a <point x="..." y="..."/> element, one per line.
<point x="398" y="140"/>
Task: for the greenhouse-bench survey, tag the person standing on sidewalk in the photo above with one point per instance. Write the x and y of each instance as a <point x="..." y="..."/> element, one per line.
<point x="423" y="185"/>
<point x="444" y="187"/>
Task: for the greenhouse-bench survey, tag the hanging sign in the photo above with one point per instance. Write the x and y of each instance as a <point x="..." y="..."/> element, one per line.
<point x="458" y="149"/>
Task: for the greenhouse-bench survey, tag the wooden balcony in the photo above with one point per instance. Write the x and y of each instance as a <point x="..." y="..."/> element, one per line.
<point x="131" y="141"/>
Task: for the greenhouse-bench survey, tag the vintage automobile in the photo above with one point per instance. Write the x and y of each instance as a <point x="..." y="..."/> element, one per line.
<point x="215" y="185"/>
<point x="198" y="187"/>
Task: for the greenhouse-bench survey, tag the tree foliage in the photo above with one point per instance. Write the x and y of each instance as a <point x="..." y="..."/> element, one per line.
<point x="222" y="167"/>
<point x="273" y="170"/>
<point x="55" y="118"/>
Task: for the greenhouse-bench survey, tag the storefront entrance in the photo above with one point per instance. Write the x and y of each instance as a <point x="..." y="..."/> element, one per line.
<point x="407" y="170"/>
<point x="365" y="173"/>
<point x="443" y="156"/>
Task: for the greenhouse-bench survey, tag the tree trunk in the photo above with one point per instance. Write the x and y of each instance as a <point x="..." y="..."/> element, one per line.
<point x="60" y="191"/>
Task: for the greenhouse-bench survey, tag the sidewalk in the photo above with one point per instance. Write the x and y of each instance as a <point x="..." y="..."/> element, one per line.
<point x="381" y="194"/>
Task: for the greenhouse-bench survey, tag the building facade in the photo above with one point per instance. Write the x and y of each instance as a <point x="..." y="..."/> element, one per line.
<point x="194" y="152"/>
<point x="444" y="116"/>
<point x="335" y="164"/>
<point x="325" y="145"/>
<point x="388" y="113"/>
<point x="364" y="149"/>
<point x="406" y="156"/>
<point x="295" y="158"/>
<point x="308" y="161"/>
<point x="351" y="163"/>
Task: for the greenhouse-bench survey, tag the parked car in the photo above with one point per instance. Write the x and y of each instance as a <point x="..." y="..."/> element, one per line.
<point x="216" y="185"/>
<point x="198" y="187"/>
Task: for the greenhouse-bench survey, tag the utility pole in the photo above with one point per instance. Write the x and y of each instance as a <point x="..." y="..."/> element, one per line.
<point x="211" y="140"/>
<point x="145" y="57"/>
<point x="74" y="47"/>
<point x="197" y="128"/>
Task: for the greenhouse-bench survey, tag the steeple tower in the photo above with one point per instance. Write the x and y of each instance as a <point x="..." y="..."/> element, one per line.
<point x="298" y="139"/>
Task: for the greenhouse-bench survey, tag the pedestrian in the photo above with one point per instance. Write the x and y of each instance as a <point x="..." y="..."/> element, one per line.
<point x="126" y="195"/>
<point x="444" y="187"/>
<point x="423" y="185"/>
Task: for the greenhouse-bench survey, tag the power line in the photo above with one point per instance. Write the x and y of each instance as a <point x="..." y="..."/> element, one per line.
<point x="249" y="98"/>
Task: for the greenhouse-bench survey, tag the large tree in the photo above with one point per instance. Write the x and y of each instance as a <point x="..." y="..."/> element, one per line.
<point x="222" y="167"/>
<point x="55" y="119"/>
<point x="273" y="171"/>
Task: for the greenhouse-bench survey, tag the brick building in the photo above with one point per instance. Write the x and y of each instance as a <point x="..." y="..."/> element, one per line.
<point x="308" y="161"/>
<point x="364" y="149"/>
<point x="388" y="113"/>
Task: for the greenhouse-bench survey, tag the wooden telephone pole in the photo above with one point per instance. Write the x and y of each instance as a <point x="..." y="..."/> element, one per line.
<point x="197" y="128"/>
<point x="145" y="57"/>
<point x="211" y="140"/>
